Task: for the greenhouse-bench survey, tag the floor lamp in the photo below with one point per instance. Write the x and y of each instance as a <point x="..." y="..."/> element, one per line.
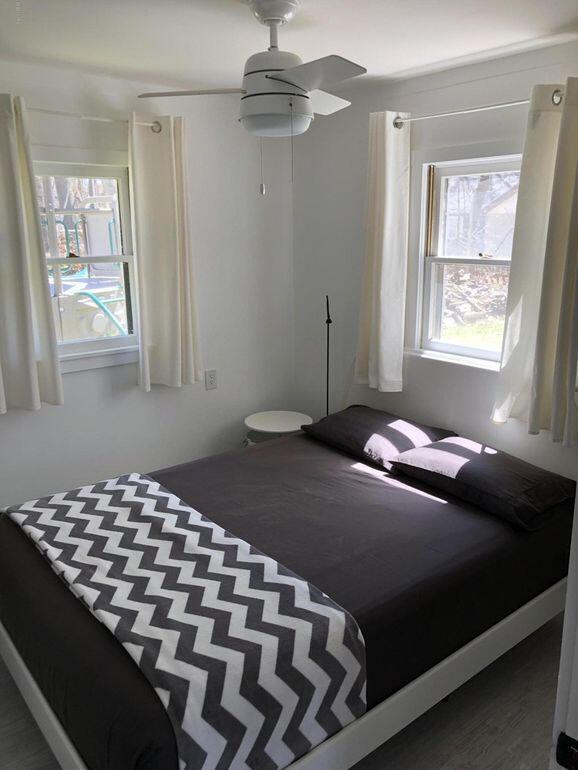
<point x="328" y="322"/>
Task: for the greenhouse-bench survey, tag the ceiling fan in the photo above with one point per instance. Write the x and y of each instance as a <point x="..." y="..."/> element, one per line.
<point x="280" y="94"/>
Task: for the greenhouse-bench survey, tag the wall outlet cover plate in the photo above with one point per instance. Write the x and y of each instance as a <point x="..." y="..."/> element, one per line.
<point x="210" y="379"/>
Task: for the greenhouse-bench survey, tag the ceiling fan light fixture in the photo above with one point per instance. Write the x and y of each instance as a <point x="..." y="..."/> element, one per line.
<point x="271" y="125"/>
<point x="272" y="107"/>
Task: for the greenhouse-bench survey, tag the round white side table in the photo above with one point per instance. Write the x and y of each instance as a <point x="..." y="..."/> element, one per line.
<point x="263" y="426"/>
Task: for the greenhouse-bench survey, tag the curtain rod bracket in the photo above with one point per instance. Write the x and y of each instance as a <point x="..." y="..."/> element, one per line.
<point x="156" y="127"/>
<point x="398" y="122"/>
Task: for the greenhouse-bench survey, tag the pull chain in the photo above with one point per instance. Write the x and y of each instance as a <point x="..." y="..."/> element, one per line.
<point x="292" y="144"/>
<point x="262" y="188"/>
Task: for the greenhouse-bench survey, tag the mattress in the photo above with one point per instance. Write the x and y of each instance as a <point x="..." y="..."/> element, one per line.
<point x="422" y="574"/>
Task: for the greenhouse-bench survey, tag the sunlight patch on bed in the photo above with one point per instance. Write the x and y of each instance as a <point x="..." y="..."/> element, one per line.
<point x="378" y="446"/>
<point x="412" y="432"/>
<point x="472" y="446"/>
<point x="382" y="476"/>
<point x="448" y="463"/>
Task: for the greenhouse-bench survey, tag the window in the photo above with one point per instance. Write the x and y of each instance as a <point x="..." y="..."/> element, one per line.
<point x="469" y="216"/>
<point x="85" y="228"/>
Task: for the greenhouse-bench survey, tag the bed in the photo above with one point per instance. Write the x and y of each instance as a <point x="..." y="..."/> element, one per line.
<point x="439" y="590"/>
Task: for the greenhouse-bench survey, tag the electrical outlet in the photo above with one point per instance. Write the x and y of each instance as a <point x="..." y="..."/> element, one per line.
<point x="210" y="379"/>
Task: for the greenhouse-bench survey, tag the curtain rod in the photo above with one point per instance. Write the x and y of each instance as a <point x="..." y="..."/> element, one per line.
<point x="399" y="121"/>
<point x="557" y="96"/>
<point x="155" y="126"/>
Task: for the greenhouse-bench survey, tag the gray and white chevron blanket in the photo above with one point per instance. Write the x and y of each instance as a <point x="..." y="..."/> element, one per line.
<point x="254" y="665"/>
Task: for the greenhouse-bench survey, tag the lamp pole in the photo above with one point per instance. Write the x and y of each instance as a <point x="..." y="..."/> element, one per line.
<point x="328" y="322"/>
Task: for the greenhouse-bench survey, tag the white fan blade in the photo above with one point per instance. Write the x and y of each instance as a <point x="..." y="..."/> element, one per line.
<point x="326" y="104"/>
<point x="155" y="94"/>
<point x="321" y="72"/>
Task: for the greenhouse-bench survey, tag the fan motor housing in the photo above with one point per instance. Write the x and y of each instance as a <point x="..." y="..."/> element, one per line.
<point x="276" y="11"/>
<point x="270" y="107"/>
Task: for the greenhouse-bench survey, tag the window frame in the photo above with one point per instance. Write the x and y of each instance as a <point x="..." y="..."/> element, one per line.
<point x="77" y="355"/>
<point x="428" y="316"/>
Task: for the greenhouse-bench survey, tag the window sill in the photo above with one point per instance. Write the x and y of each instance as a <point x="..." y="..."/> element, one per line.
<point x="450" y="358"/>
<point x="98" y="359"/>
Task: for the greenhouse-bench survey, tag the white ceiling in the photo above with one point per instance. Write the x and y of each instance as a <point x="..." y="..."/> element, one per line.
<point x="204" y="43"/>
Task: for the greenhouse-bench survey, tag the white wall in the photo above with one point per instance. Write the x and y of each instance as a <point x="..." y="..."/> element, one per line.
<point x="329" y="202"/>
<point x="243" y="247"/>
<point x="246" y="274"/>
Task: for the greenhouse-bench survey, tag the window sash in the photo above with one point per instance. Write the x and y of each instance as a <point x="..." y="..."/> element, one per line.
<point x="467" y="261"/>
<point x="84" y="170"/>
<point x="93" y="347"/>
<point x="73" y="212"/>
<point x="437" y="172"/>
<point x="431" y="290"/>
<point x="433" y="308"/>
<point x="89" y="260"/>
<point x="106" y="345"/>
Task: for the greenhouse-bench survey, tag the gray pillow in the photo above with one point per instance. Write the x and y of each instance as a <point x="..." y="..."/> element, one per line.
<point x="372" y="435"/>
<point x="521" y="493"/>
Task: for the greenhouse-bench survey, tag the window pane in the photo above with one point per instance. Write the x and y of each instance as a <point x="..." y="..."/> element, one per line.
<point x="477" y="214"/>
<point x="470" y="305"/>
<point x="79" y="216"/>
<point x="89" y="301"/>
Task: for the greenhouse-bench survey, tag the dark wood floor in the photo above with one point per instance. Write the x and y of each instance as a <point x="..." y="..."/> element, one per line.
<point x="501" y="720"/>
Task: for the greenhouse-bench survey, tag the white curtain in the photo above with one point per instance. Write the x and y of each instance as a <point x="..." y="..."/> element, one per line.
<point x="379" y="362"/>
<point x="538" y="373"/>
<point x="29" y="365"/>
<point x="168" y="334"/>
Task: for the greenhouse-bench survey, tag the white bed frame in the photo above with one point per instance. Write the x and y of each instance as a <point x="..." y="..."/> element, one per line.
<point x="351" y="744"/>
